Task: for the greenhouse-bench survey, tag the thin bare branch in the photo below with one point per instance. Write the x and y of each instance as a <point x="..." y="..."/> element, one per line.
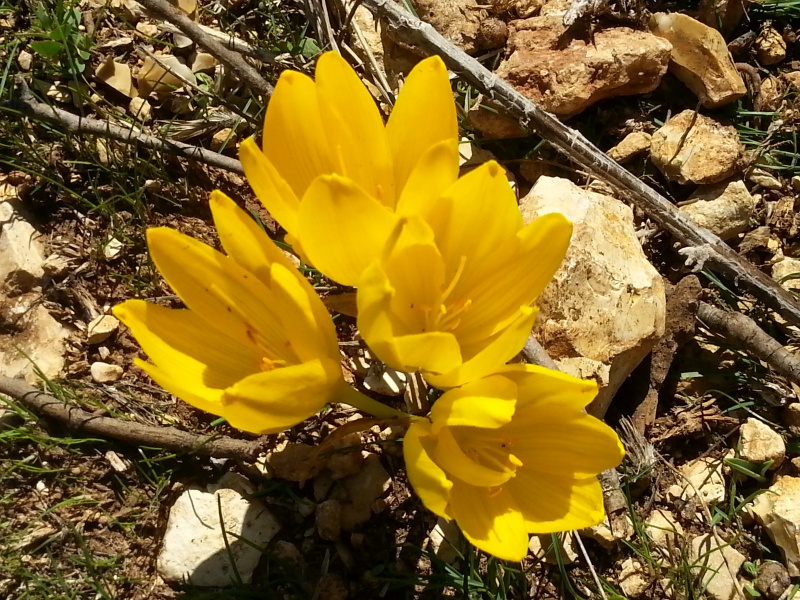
<point x="719" y="256"/>
<point x="742" y="330"/>
<point x="230" y="41"/>
<point x="129" y="432"/>
<point x="234" y="61"/>
<point x="27" y="105"/>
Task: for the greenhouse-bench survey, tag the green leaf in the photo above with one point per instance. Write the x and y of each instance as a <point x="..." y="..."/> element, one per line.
<point x="60" y="33"/>
<point x="309" y="48"/>
<point x="47" y="49"/>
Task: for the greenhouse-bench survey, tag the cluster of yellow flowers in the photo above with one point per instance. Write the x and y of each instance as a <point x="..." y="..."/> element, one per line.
<point x="446" y="276"/>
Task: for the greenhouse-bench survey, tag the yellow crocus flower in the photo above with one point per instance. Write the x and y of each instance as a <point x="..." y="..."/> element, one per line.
<point x="511" y="454"/>
<point x="255" y="344"/>
<point x="452" y="294"/>
<point x="332" y="126"/>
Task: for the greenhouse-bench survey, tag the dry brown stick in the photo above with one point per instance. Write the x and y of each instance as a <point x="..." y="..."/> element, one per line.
<point x="234" y="61"/>
<point x="27" y="105"/>
<point x="534" y="353"/>
<point x="707" y="246"/>
<point x="741" y="329"/>
<point x="230" y="41"/>
<point x="129" y="432"/>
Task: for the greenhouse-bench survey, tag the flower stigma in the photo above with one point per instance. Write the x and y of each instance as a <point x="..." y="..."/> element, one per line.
<point x="448" y="316"/>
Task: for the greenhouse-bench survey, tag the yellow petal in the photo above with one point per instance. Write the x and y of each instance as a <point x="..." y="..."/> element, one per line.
<point x="541" y="388"/>
<point x="549" y="504"/>
<point x="434" y="351"/>
<point x="449" y="455"/>
<point x="491" y="356"/>
<point x="379" y="328"/>
<point x="275" y="400"/>
<point x="243" y="240"/>
<point x="428" y="480"/>
<point x="187" y="347"/>
<point x="269" y="186"/>
<point x="423" y="116"/>
<point x="374" y="298"/>
<point x="354" y="128"/>
<point x="342" y="229"/>
<point x="489" y="402"/>
<point x="491" y="520"/>
<point x="219" y="291"/>
<point x="416" y="272"/>
<point x="294" y="134"/>
<point x="202" y="398"/>
<point x="476" y="214"/>
<point x="523" y="274"/>
<point x="309" y="326"/>
<point x="296" y="302"/>
<point x="553" y="441"/>
<point x="433" y="175"/>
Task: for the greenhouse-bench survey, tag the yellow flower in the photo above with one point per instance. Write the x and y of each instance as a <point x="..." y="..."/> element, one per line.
<point x="255" y="343"/>
<point x="512" y="454"/>
<point x="332" y="126"/>
<point x="452" y="294"/>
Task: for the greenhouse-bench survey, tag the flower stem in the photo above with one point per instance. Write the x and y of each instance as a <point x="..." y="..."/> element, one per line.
<point x="356" y="399"/>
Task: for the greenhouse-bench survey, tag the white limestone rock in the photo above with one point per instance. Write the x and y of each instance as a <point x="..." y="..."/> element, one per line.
<point x="566" y="73"/>
<point x="30" y="337"/>
<point x="194" y="548"/>
<point x="760" y="443"/>
<point x="606" y="303"/>
<point x="21" y="252"/>
<point x="605" y="536"/>
<point x="787" y="272"/>
<point x="770" y="47"/>
<point x="631" y="146"/>
<point x="100" y="328"/>
<point x="703" y="476"/>
<point x="693" y="148"/>
<point x="545" y="547"/>
<point x="663" y="529"/>
<point x="700" y="59"/>
<point x="105" y="373"/>
<point x="724" y="209"/>
<point x="717" y="566"/>
<point x="633" y="578"/>
<point x="36" y="341"/>
<point x="778" y="511"/>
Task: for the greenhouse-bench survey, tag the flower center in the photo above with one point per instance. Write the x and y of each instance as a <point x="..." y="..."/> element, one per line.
<point x="493" y="454"/>
<point x="477" y="456"/>
<point x="269" y="360"/>
<point x="447" y="316"/>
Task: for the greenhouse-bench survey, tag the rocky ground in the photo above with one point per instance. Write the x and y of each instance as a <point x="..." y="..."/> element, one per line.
<point x="700" y="378"/>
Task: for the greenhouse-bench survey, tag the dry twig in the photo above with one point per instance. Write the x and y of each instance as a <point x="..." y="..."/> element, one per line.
<point x="129" y="432"/>
<point x="234" y="61"/>
<point x="27" y="105"/>
<point x="742" y="330"/>
<point x="230" y="41"/>
<point x="534" y="353"/>
<point x="718" y="255"/>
